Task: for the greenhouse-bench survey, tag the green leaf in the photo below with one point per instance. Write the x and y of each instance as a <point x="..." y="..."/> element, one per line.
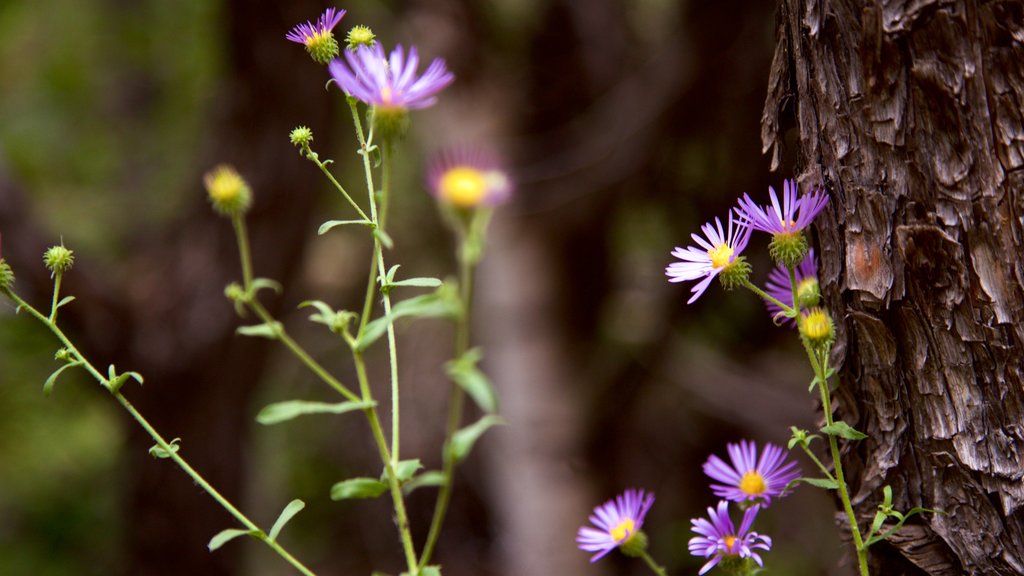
<point x="265" y="283"/>
<point x="385" y="240"/>
<point x="463" y="371"/>
<point x="158" y="451"/>
<point x="52" y="380"/>
<point x="120" y="379"/>
<point x="333" y="223"/>
<point x="228" y="534"/>
<point x="431" y="478"/>
<point x="287" y="410"/>
<point x="358" y="488"/>
<point x="405" y="470"/>
<point x="825" y="483"/>
<point x="442" y="303"/>
<point x="65" y="300"/>
<point x="419" y="282"/>
<point x="265" y="330"/>
<point x="293" y="508"/>
<point x="463" y="440"/>
<point x="843" y="430"/>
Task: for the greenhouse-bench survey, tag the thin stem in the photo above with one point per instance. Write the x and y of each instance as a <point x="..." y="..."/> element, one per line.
<point x="56" y="294"/>
<point x="171" y="451"/>
<point x="652" y="564"/>
<point x="455" y="407"/>
<point x="818" y="463"/>
<point x="323" y="168"/>
<point x="844" y="495"/>
<point x="793" y="285"/>
<point x="238" y="220"/>
<point x="753" y="288"/>
<point x="385" y="196"/>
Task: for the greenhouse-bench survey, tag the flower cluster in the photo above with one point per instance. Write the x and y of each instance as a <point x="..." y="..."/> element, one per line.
<point x="718" y="253"/>
<point x="751" y="482"/>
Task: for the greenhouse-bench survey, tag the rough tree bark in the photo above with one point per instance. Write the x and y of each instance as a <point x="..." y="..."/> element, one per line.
<point x="909" y="113"/>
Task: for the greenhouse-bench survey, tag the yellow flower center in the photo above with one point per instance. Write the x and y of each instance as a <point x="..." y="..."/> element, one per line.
<point x="729" y="542"/>
<point x="224" y="184"/>
<point x="387" y="95"/>
<point x="720" y="255"/>
<point x="752" y="483"/>
<point x="316" y="38"/>
<point x="623" y="530"/>
<point x="463" y="186"/>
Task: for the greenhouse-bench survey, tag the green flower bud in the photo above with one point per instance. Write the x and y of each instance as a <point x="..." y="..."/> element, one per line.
<point x="301" y="137"/>
<point x="360" y="36"/>
<point x="6" y="276"/>
<point x="58" y="259"/>
<point x="635" y="545"/>
<point x="228" y="191"/>
<point x="788" y="249"/>
<point x="64" y="355"/>
<point x="808" y="292"/>
<point x="735" y="273"/>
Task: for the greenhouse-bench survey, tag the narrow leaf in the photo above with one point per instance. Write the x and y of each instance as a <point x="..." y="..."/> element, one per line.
<point x="226" y="535"/>
<point x="463" y="440"/>
<point x="52" y="380"/>
<point x="431" y="478"/>
<point x="266" y="283"/>
<point x="293" y="508"/>
<point x="843" y="430"/>
<point x="262" y="330"/>
<point x="283" y="411"/>
<point x="404" y="470"/>
<point x="358" y="488"/>
<point x="419" y="282"/>
<point x="439" y="304"/>
<point x="385" y="240"/>
<point x="333" y="223"/>
<point x="65" y="300"/>
<point x="464" y="372"/>
<point x="826" y="483"/>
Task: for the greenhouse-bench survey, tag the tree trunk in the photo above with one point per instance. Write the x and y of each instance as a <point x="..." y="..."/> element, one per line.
<point x="909" y="113"/>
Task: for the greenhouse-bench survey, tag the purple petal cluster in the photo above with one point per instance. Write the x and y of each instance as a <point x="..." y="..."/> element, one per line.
<point x="616" y="522"/>
<point x="750" y="478"/>
<point x="778" y="286"/>
<point x="389" y="81"/>
<point x="791" y="216"/>
<point x="719" y="537"/>
<point x="715" y="252"/>
<point x="309" y="32"/>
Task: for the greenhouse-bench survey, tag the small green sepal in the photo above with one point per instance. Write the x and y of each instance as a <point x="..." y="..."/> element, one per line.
<point x="788" y="249"/>
<point x="735" y="274"/>
<point x="158" y="451"/>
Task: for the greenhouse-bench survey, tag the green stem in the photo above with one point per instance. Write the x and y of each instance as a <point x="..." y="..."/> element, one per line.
<point x="844" y="495"/>
<point x="172" y="452"/>
<point x="56" y="294"/>
<point x="810" y="454"/>
<point x="323" y="168"/>
<point x="753" y="288"/>
<point x="385" y="195"/>
<point x="793" y="285"/>
<point x="455" y="407"/>
<point x="652" y="564"/>
<point x="238" y="220"/>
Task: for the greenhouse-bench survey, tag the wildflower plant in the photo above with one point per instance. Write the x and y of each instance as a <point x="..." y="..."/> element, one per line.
<point x="386" y="89"/>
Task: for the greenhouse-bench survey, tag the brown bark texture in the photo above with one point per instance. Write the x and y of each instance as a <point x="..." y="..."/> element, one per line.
<point x="909" y="113"/>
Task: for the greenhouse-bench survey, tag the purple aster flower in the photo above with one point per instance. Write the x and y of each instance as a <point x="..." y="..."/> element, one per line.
<point x="389" y="82"/>
<point x="617" y="521"/>
<point x="793" y="215"/>
<point x="309" y="33"/>
<point x="778" y="286"/>
<point x="468" y="177"/>
<point x="719" y="538"/>
<point x="717" y="252"/>
<point x="751" y="479"/>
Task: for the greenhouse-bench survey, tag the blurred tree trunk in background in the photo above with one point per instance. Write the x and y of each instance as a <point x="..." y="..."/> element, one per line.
<point x="909" y="113"/>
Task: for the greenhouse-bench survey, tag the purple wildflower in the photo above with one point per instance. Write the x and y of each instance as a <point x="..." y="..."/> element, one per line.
<point x="309" y="33"/>
<point x="750" y="479"/>
<point x="389" y="82"/>
<point x="617" y="522"/>
<point x="792" y="216"/>
<point x="716" y="253"/>
<point x="778" y="285"/>
<point x="719" y="538"/>
<point x="468" y="177"/>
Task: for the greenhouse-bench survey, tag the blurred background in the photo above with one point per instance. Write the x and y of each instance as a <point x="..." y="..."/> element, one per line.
<point x="626" y="125"/>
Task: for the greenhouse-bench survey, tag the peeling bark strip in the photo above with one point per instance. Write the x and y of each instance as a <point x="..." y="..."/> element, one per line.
<point x="910" y="112"/>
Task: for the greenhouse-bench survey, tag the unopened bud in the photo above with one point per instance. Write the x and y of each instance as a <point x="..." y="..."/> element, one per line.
<point x="58" y="259"/>
<point x="817" y="328"/>
<point x="228" y="191"/>
<point x="360" y="36"/>
<point x="301" y="137"/>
